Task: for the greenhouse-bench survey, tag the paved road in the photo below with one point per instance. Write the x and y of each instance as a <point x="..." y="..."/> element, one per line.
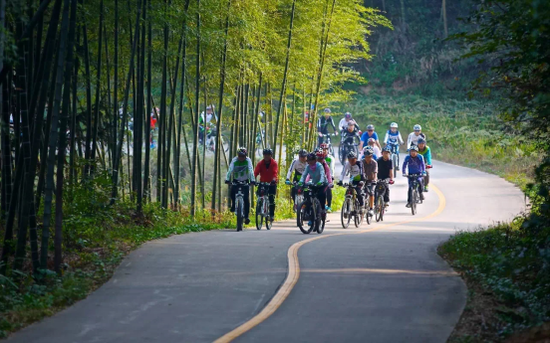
<point x="379" y="283"/>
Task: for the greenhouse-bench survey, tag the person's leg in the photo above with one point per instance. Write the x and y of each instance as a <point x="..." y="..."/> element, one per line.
<point x="387" y="194"/>
<point x="233" y="193"/>
<point x="293" y="193"/>
<point x="360" y="195"/>
<point x="421" y="187"/>
<point x="272" y="192"/>
<point x="246" y="190"/>
<point x="371" y="196"/>
<point x="329" y="197"/>
<point x="426" y="180"/>
<point x="322" y="197"/>
<point x="409" y="193"/>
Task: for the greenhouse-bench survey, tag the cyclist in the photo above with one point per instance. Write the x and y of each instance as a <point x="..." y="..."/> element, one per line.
<point x="343" y="125"/>
<point x="393" y="139"/>
<point x="268" y="170"/>
<point x="367" y="135"/>
<point x="415" y="163"/>
<point x="350" y="136"/>
<point x="375" y="149"/>
<point x="355" y="171"/>
<point x="329" y="159"/>
<point x="315" y="173"/>
<point x="320" y="154"/>
<point x="205" y="123"/>
<point x="323" y="123"/>
<point x="385" y="171"/>
<point x="240" y="169"/>
<point x="415" y="136"/>
<point x="370" y="171"/>
<point x="426" y="152"/>
<point x="297" y="166"/>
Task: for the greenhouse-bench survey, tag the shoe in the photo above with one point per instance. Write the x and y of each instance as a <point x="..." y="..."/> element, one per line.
<point x="387" y="204"/>
<point x="371" y="212"/>
<point x="329" y="209"/>
<point x="421" y="197"/>
<point x="426" y="189"/>
<point x="408" y="205"/>
<point x="246" y="221"/>
<point x="397" y="168"/>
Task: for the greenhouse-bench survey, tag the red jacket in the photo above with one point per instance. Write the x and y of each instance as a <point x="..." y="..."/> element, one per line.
<point x="267" y="174"/>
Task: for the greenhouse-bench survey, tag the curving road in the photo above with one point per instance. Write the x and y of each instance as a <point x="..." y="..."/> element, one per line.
<point x="379" y="283"/>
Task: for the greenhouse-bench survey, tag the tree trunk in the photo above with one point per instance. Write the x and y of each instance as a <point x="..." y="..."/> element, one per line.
<point x="196" y="137"/>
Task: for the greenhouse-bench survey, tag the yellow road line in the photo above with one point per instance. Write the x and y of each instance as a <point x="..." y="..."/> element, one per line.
<point x="294" y="272"/>
<point x="378" y="271"/>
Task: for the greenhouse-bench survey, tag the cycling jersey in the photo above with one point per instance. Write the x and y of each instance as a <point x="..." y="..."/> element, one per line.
<point x="416" y="164"/>
<point x="316" y="174"/>
<point x="240" y="170"/>
<point x="366" y="136"/>
<point x="298" y="167"/>
<point x="393" y="138"/>
<point x="343" y="125"/>
<point x="330" y="161"/>
<point x="355" y="171"/>
<point x="413" y="139"/>
<point x="350" y="137"/>
<point x="370" y="169"/>
<point x="323" y="123"/>
<point x="268" y="171"/>
<point x="427" y="154"/>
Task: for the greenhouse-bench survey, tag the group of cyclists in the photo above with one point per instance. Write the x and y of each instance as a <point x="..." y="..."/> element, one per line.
<point x="370" y="163"/>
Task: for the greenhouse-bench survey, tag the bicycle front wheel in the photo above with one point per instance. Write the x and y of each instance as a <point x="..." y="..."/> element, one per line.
<point x="414" y="200"/>
<point x="240" y="215"/>
<point x="259" y="217"/>
<point x="380" y="208"/>
<point x="268" y="222"/>
<point x="358" y="220"/>
<point x="345" y="213"/>
<point x="302" y="218"/>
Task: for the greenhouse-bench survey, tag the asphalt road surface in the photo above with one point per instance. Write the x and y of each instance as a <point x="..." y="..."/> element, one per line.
<point x="383" y="282"/>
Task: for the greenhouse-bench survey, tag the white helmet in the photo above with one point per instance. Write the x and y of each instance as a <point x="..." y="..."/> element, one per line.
<point x="417" y="127"/>
<point x="394" y="125"/>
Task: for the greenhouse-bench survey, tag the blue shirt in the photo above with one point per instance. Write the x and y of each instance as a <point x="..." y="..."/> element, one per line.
<point x="365" y="137"/>
<point x="416" y="165"/>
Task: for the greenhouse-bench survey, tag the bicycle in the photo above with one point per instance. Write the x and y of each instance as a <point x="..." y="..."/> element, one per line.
<point x="351" y="208"/>
<point x="298" y="198"/>
<point x="394" y="158"/>
<point x="379" y="203"/>
<point x="211" y="141"/>
<point x="262" y="207"/>
<point x="239" y="202"/>
<point x="414" y="193"/>
<point x="310" y="210"/>
<point x="345" y="148"/>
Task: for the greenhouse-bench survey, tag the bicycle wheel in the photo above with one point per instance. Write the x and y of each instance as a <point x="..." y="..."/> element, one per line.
<point x="298" y="199"/>
<point x="341" y="153"/>
<point x="259" y="217"/>
<point x="395" y="161"/>
<point x="414" y="199"/>
<point x="380" y="208"/>
<point x="268" y="222"/>
<point x="358" y="219"/>
<point x="345" y="213"/>
<point x="239" y="212"/>
<point x="302" y="215"/>
<point x="321" y="227"/>
<point x="317" y="216"/>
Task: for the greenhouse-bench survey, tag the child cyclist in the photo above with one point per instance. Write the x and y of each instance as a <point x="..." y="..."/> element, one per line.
<point x="355" y="171"/>
<point x="393" y="139"/>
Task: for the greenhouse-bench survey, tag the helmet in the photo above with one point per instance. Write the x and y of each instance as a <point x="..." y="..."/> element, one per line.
<point x="368" y="151"/>
<point x="414" y="147"/>
<point x="311" y="157"/>
<point x="242" y="151"/>
<point x="421" y="141"/>
<point x="324" y="146"/>
<point x="351" y="123"/>
<point x="302" y="153"/>
<point x="371" y="140"/>
<point x="370" y="127"/>
<point x="386" y="148"/>
<point x="347" y="115"/>
<point x="394" y="125"/>
<point x="319" y="153"/>
<point x="327" y="110"/>
<point x="268" y="151"/>
<point x="352" y="154"/>
<point x="417" y="127"/>
<point x="210" y="107"/>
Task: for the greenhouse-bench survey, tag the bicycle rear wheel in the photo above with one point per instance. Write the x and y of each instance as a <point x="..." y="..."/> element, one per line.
<point x="301" y="216"/>
<point x="259" y="217"/>
<point x="345" y="213"/>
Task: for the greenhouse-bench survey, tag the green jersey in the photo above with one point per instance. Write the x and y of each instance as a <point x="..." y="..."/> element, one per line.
<point x="240" y="170"/>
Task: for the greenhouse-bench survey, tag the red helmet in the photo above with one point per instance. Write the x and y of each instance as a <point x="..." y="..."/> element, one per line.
<point x="320" y="153"/>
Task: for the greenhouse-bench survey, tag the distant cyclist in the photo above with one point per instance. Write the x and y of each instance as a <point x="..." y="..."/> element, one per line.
<point x="367" y="135"/>
<point x="355" y="171"/>
<point x="343" y="125"/>
<point x="298" y="166"/>
<point x="415" y="136"/>
<point x="415" y="164"/>
<point x="370" y="172"/>
<point x="329" y="159"/>
<point x="320" y="154"/>
<point x="375" y="149"/>
<point x="315" y="173"/>
<point x="268" y="171"/>
<point x="393" y="139"/>
<point x="240" y="169"/>
<point x="426" y="152"/>
<point x="385" y="171"/>
<point x="323" y="124"/>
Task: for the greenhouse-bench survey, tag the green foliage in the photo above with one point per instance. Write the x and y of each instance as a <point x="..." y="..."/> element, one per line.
<point x="513" y="264"/>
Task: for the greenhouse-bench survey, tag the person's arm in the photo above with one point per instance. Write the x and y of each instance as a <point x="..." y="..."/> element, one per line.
<point x="333" y="126"/>
<point x="401" y="142"/>
<point x="327" y="172"/>
<point x="319" y="125"/>
<point x="304" y="175"/>
<point x="250" y="171"/>
<point x="363" y="136"/>
<point x="344" y="172"/>
<point x="375" y="171"/>
<point x="409" y="141"/>
<point x="391" y="170"/>
<point x="275" y="171"/>
<point x="422" y="165"/>
<point x="230" y="169"/>
<point x="323" y="176"/>
<point x="290" y="170"/>
<point x="377" y="141"/>
<point x="405" y="164"/>
<point x="386" y="137"/>
<point x="429" y="156"/>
